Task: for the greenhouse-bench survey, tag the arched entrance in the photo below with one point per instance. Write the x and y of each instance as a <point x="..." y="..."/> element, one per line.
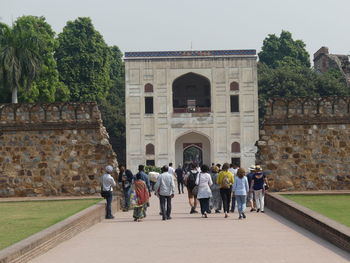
<point x="192" y="147"/>
<point x="191" y="93"/>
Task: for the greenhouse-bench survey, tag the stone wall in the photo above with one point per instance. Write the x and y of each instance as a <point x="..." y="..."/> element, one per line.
<point x="52" y="149"/>
<point x="304" y="143"/>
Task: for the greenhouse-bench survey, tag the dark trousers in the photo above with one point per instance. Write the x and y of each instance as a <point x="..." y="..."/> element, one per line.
<point x="180" y="184"/>
<point x="204" y="202"/>
<point x="226" y="199"/>
<point x="165" y="212"/>
<point x="233" y="204"/>
<point x="126" y="193"/>
<point x="109" y="199"/>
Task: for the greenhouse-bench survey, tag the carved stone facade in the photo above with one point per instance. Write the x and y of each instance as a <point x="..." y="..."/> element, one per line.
<point x="305" y="143"/>
<point x="187" y="103"/>
<point x="52" y="149"/>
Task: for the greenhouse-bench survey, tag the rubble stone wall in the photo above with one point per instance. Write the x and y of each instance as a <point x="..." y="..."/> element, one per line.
<point x="52" y="149"/>
<point x="305" y="144"/>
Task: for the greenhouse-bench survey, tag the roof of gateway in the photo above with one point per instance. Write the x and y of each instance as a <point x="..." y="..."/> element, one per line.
<point x="190" y="53"/>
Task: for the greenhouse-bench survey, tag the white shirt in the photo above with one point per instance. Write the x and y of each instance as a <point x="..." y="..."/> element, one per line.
<point x="233" y="171"/>
<point x="107" y="182"/>
<point x="165" y="184"/>
<point x="171" y="170"/>
<point x="204" y="182"/>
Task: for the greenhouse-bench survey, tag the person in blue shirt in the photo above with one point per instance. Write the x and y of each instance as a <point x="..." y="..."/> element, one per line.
<point x="125" y="179"/>
<point x="258" y="185"/>
<point x="250" y="196"/>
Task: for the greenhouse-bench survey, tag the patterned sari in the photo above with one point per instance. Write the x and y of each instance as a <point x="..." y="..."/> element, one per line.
<point x="142" y="195"/>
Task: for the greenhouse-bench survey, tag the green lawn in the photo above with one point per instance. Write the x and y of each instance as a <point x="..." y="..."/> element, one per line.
<point x="336" y="207"/>
<point x="19" y="220"/>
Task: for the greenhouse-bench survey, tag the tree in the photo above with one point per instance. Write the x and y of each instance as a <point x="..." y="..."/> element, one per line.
<point x="283" y="50"/>
<point x="46" y="87"/>
<point x="20" y="60"/>
<point x="83" y="60"/>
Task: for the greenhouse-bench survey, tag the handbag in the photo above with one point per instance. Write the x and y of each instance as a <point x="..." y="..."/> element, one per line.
<point x="195" y="189"/>
<point x="104" y="194"/>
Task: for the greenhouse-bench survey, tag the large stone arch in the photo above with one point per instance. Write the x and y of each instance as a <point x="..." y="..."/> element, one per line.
<point x="191" y="92"/>
<point x="196" y="140"/>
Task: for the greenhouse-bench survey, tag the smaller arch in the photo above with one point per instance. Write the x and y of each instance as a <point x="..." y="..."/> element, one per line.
<point x="235" y="147"/>
<point x="150" y="149"/>
<point x="234" y="86"/>
<point x="148" y="87"/>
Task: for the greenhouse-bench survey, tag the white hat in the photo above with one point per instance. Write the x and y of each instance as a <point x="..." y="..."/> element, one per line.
<point x="252" y="167"/>
<point x="109" y="168"/>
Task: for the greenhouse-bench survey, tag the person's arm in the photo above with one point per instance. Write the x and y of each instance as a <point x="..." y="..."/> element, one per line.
<point x="246" y="184"/>
<point x="197" y="179"/>
<point x="210" y="180"/>
<point x="172" y="186"/>
<point x="157" y="185"/>
<point x="232" y="180"/>
<point x="265" y="181"/>
<point x="234" y="185"/>
<point x="112" y="181"/>
<point x="219" y="179"/>
<point x="251" y="186"/>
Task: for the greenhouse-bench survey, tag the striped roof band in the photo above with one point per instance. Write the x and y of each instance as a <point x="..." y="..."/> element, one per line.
<point x="198" y="53"/>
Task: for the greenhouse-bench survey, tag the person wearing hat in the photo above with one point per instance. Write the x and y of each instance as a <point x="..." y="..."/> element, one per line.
<point x="107" y="183"/>
<point x="250" y="196"/>
<point x="258" y="183"/>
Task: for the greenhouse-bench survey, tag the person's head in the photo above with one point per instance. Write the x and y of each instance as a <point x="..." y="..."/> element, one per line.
<point x="258" y="169"/>
<point x="141" y="167"/>
<point x="179" y="166"/>
<point x="252" y="168"/>
<point x="164" y="169"/>
<point x="192" y="166"/>
<point x="240" y="173"/>
<point x="218" y="165"/>
<point x="138" y="176"/>
<point x="170" y="164"/>
<point x="121" y="168"/>
<point x="204" y="168"/>
<point x="109" y="169"/>
<point x="235" y="165"/>
<point x="231" y="165"/>
<point x="225" y="166"/>
<point x="215" y="169"/>
<point x="212" y="164"/>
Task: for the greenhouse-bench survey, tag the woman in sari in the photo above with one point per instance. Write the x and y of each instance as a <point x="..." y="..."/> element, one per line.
<point x="142" y="197"/>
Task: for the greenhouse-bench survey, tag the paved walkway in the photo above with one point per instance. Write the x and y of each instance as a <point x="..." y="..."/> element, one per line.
<point x="189" y="238"/>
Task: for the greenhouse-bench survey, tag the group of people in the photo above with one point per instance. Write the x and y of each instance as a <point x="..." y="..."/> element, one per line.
<point x="215" y="188"/>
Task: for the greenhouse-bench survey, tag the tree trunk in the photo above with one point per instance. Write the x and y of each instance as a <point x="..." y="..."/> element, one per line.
<point x="14" y="95"/>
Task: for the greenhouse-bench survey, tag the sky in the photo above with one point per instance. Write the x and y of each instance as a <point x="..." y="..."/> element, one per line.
<point x="158" y="25"/>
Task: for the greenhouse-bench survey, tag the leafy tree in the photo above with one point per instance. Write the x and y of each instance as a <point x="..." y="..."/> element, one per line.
<point x="83" y="60"/>
<point x="20" y="60"/>
<point x="46" y="87"/>
<point x="278" y="51"/>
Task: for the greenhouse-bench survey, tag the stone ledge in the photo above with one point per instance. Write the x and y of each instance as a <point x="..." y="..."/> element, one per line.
<point x="41" y="242"/>
<point x="326" y="228"/>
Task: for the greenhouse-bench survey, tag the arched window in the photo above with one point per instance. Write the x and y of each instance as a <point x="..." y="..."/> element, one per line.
<point x="235" y="147"/>
<point x="234" y="86"/>
<point x="191" y="93"/>
<point x="148" y="87"/>
<point x="149" y="149"/>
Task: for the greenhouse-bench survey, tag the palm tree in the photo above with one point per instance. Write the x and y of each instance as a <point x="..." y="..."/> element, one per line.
<point x="20" y="61"/>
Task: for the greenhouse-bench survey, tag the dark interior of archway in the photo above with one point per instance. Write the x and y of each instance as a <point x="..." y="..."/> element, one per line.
<point x="193" y="155"/>
<point x="191" y="87"/>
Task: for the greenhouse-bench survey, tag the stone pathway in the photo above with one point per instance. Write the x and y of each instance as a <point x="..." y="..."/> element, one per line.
<point x="190" y="238"/>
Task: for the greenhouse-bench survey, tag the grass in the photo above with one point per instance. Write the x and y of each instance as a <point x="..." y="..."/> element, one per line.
<point x="336" y="207"/>
<point x="19" y="220"/>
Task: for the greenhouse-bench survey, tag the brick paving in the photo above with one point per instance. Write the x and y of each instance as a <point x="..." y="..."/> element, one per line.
<point x="190" y="238"/>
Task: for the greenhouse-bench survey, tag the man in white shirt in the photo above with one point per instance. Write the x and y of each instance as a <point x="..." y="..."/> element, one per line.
<point x="171" y="170"/>
<point x="165" y="189"/>
<point x="107" y="184"/>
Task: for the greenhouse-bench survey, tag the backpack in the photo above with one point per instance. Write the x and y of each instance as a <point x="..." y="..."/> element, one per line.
<point x="225" y="184"/>
<point x="191" y="180"/>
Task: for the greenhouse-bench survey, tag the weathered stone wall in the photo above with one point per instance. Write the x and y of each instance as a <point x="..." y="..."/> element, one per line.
<point x="305" y="143"/>
<point x="52" y="149"/>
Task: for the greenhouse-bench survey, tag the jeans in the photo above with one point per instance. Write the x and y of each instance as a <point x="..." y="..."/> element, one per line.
<point x="233" y="203"/>
<point x="109" y="199"/>
<point x="259" y="199"/>
<point x="180" y="183"/>
<point x="226" y="198"/>
<point x="241" y="203"/>
<point x="204" y="202"/>
<point x="126" y="193"/>
<point x="165" y="212"/>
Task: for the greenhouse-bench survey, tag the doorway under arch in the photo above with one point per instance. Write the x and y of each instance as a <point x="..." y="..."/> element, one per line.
<point x="192" y="147"/>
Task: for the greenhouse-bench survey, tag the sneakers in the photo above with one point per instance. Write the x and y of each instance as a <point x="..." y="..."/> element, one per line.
<point x="243" y="214"/>
<point x="193" y="211"/>
<point x="109" y="217"/>
<point x="240" y="217"/>
<point x="252" y="210"/>
<point x="262" y="211"/>
<point x="258" y="210"/>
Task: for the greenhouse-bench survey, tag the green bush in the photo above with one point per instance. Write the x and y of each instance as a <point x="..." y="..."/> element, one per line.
<point x="152" y="169"/>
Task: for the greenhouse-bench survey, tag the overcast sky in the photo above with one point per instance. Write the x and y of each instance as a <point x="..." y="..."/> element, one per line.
<point x="146" y="25"/>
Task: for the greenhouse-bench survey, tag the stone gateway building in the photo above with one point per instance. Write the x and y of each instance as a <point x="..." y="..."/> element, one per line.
<point x="191" y="106"/>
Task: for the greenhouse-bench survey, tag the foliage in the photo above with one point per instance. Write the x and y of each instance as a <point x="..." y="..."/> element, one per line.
<point x="152" y="169"/>
<point x="336" y="207"/>
<point x="21" y="219"/>
<point x="83" y="60"/>
<point x="20" y="60"/>
<point x="280" y="51"/>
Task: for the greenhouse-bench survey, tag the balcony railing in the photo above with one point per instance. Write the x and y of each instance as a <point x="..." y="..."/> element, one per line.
<point x="191" y="109"/>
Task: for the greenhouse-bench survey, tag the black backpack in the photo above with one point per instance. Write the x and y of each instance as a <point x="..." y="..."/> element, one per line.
<point x="191" y="181"/>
